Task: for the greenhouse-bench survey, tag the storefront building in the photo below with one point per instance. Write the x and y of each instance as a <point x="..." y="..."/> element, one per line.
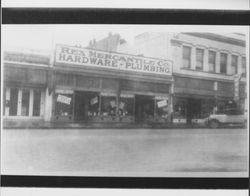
<point x="24" y="86"/>
<point x="97" y="86"/>
<point x="209" y="71"/>
<point x="187" y="77"/>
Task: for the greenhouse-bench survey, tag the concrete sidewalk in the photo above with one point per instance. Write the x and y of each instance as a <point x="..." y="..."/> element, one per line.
<point x="71" y="125"/>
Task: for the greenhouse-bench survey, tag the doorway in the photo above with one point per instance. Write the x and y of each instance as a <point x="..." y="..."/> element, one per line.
<point x="144" y="107"/>
<point x="86" y="105"/>
<point x="193" y="109"/>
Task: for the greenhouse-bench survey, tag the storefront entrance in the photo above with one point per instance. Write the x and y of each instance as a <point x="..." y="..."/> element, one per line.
<point x="86" y="105"/>
<point x="144" y="108"/>
<point x="193" y="109"/>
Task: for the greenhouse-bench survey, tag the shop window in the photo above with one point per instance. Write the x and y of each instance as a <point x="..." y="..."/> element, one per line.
<point x="25" y="102"/>
<point x="13" y="101"/>
<point x="186" y="57"/>
<point x="207" y="107"/>
<point x="162" y="108"/>
<point x="223" y="63"/>
<point x="126" y="105"/>
<point x="93" y="105"/>
<point x="234" y="64"/>
<point x="63" y="105"/>
<point x="244" y="69"/>
<point x="180" y="108"/>
<point x="4" y="103"/>
<point x="108" y="105"/>
<point x="211" y="61"/>
<point x="199" y="59"/>
<point x="36" y="103"/>
<point x="27" y="99"/>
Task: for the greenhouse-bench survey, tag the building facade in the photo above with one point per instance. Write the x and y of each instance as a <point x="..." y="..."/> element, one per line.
<point x="163" y="78"/>
<point x="209" y="70"/>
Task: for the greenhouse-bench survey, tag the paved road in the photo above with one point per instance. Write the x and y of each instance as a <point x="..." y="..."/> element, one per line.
<point x="131" y="151"/>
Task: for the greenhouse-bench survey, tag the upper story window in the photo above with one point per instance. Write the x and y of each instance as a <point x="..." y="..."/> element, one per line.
<point x="244" y="69"/>
<point x="223" y="63"/>
<point x="234" y="63"/>
<point x="199" y="59"/>
<point x="186" y="57"/>
<point x="211" y="61"/>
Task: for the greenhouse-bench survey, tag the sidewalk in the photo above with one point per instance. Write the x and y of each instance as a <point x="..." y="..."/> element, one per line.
<point x="71" y="125"/>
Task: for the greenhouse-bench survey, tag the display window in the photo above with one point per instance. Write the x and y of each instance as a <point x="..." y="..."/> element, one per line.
<point x="126" y="105"/>
<point x="161" y="107"/>
<point x="108" y="104"/>
<point x="24" y="102"/>
<point x="180" y="108"/>
<point x="64" y="105"/>
<point x="93" y="105"/>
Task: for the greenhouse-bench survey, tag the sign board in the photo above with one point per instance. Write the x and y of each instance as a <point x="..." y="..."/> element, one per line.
<point x="236" y="86"/>
<point x="162" y="103"/>
<point x="94" y="101"/>
<point x="66" y="55"/>
<point x="63" y="99"/>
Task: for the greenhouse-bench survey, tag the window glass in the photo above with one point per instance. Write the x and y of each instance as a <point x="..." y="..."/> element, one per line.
<point x="126" y="106"/>
<point x="211" y="61"/>
<point x="63" y="106"/>
<point x="180" y="108"/>
<point x="108" y="105"/>
<point x="36" y="102"/>
<point x="244" y="71"/>
<point x="162" y="108"/>
<point x="223" y="63"/>
<point x="186" y="56"/>
<point x="93" y="105"/>
<point x="25" y="102"/>
<point x="4" y="101"/>
<point x="13" y="101"/>
<point x="199" y="59"/>
<point x="234" y="64"/>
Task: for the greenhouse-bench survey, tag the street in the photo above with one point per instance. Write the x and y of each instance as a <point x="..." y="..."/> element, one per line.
<point x="144" y="152"/>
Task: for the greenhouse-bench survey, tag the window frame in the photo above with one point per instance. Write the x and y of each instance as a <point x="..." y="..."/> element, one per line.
<point x="225" y="63"/>
<point x="189" y="59"/>
<point x="214" y="64"/>
<point x="199" y="60"/>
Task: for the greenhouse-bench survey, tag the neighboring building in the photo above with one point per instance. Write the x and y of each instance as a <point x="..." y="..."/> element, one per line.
<point x="25" y="86"/>
<point x="163" y="78"/>
<point x="205" y="66"/>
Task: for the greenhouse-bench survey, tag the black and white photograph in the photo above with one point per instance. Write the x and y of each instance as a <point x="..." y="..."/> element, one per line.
<point x="125" y="100"/>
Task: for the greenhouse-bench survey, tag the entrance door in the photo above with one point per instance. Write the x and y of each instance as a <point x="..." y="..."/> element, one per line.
<point x="193" y="109"/>
<point x="144" y="107"/>
<point x="86" y="105"/>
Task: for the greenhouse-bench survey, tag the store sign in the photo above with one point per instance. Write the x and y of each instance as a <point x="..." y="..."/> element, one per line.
<point x="236" y="86"/>
<point x="162" y="103"/>
<point x="63" y="99"/>
<point x="110" y="60"/>
<point x="94" y="101"/>
<point x="112" y="103"/>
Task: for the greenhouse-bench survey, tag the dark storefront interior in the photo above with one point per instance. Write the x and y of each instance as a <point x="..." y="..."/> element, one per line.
<point x="144" y="107"/>
<point x="110" y="100"/>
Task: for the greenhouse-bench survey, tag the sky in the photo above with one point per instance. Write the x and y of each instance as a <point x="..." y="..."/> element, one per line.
<point x="44" y="37"/>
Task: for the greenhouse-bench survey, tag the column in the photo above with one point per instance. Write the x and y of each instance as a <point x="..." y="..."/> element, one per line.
<point x="217" y="62"/>
<point x="7" y="109"/>
<point x="19" y="102"/>
<point x="205" y="60"/>
<point x="193" y="57"/>
<point x="48" y="106"/>
<point x="239" y="64"/>
<point x="31" y="102"/>
<point x="229" y="64"/>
